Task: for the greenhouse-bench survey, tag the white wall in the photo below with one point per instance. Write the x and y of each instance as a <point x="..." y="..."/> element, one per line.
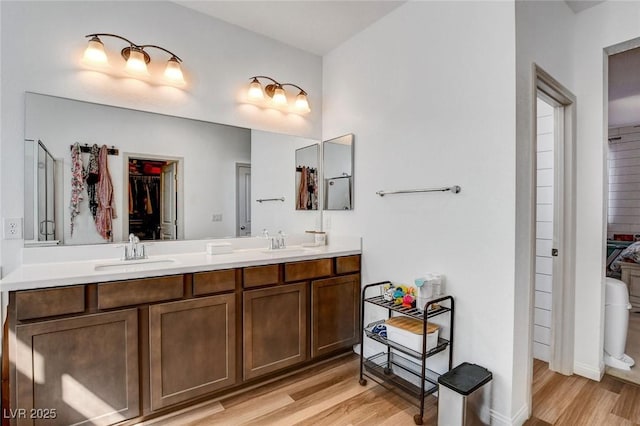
<point x="429" y="91"/>
<point x="209" y="153"/>
<point x="274" y="177"/>
<point x="43" y="42"/>
<point x="544" y="231"/>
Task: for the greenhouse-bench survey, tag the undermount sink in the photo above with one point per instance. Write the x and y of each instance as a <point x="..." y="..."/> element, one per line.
<point x="290" y="250"/>
<point x="125" y="265"/>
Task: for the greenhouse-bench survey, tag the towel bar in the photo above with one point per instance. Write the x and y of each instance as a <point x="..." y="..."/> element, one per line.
<point x="454" y="189"/>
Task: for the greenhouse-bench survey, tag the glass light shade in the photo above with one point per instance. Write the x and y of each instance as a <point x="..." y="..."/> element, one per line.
<point x="173" y="72"/>
<point x="136" y="63"/>
<point x="255" y="91"/>
<point x="95" y="52"/>
<point x="302" y="104"/>
<point x="279" y="97"/>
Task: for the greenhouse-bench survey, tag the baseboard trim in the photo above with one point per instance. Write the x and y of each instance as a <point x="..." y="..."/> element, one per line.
<point x="588" y="371"/>
<point x="502" y="420"/>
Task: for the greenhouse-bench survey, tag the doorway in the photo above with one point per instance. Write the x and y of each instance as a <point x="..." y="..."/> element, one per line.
<point x="623" y="183"/>
<point x="553" y="280"/>
<point x="152" y="198"/>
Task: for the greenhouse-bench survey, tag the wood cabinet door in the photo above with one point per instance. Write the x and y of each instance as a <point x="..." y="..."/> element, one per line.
<point x="82" y="371"/>
<point x="275" y="329"/>
<point x="335" y="314"/>
<point x="192" y="348"/>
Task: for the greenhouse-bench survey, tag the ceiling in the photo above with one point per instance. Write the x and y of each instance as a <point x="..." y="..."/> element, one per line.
<point x="624" y="88"/>
<point x="311" y="25"/>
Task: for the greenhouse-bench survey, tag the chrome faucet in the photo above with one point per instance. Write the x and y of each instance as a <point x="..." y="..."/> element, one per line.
<point x="134" y="250"/>
<point x="278" y="243"/>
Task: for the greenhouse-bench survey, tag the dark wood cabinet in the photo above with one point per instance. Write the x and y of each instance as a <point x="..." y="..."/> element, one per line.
<point x="83" y="369"/>
<point x="335" y="314"/>
<point x="275" y="329"/>
<point x="102" y="353"/>
<point x="192" y="348"/>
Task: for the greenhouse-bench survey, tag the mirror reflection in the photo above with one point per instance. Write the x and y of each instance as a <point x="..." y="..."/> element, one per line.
<point x="172" y="178"/>
<point x="338" y="173"/>
<point x="307" y="178"/>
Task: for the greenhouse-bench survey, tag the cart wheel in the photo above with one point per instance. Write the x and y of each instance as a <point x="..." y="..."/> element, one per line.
<point x="417" y="419"/>
<point x="363" y="382"/>
<point x="387" y="370"/>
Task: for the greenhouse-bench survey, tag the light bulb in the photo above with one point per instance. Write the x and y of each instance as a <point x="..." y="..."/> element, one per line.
<point x="255" y="91"/>
<point x="302" y="104"/>
<point x="173" y="72"/>
<point x="95" y="53"/>
<point x="136" y="63"/>
<point x="279" y="97"/>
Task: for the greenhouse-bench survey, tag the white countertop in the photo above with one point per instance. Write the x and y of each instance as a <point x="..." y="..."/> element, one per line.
<point x="53" y="274"/>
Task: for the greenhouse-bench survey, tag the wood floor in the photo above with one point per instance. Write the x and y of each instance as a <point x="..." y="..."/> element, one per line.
<point x="324" y="395"/>
<point x="329" y="394"/>
<point x="574" y="400"/>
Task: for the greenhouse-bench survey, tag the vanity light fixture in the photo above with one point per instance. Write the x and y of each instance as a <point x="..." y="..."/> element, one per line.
<point x="276" y="93"/>
<point x="135" y="55"/>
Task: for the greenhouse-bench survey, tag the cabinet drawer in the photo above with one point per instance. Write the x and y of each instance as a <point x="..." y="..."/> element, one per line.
<point x="255" y="276"/>
<point x="51" y="302"/>
<point x="347" y="264"/>
<point x="137" y="292"/>
<point x="298" y="271"/>
<point x="214" y="282"/>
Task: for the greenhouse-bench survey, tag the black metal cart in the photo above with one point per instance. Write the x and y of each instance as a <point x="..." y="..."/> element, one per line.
<point x="383" y="367"/>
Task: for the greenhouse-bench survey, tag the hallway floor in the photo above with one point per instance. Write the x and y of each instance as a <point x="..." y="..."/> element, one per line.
<point x="633" y="350"/>
<point x="574" y="400"/>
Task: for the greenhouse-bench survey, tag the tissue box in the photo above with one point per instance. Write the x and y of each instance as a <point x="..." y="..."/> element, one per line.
<point x="408" y="332"/>
<point x="219" y="248"/>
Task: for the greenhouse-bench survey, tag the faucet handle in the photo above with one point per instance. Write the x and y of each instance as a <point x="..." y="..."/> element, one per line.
<point x="131" y="237"/>
<point x="265" y="233"/>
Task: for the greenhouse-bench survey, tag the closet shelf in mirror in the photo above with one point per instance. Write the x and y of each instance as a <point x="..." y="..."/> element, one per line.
<point x="86" y="148"/>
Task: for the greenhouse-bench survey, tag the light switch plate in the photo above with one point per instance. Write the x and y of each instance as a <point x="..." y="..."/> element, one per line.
<point x="12" y="228"/>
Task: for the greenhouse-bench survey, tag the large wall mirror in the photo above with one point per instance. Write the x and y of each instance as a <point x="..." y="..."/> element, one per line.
<point x="307" y="173"/>
<point x="204" y="178"/>
<point x="338" y="173"/>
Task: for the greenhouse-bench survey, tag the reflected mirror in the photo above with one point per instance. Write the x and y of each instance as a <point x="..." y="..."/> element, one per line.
<point x="172" y="177"/>
<point x="338" y="173"/>
<point x="307" y="178"/>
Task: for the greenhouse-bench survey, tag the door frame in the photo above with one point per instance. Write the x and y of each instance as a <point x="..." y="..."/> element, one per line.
<point x="126" y="156"/>
<point x="238" y="166"/>
<point x="563" y="290"/>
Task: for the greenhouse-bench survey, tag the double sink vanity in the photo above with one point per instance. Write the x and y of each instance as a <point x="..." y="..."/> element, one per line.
<point x="102" y="342"/>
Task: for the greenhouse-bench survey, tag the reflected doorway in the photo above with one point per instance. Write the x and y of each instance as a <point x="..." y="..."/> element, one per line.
<point x="152" y="198"/>
<point x="243" y="200"/>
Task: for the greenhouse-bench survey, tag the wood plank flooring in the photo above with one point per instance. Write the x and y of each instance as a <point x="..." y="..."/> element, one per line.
<point x="328" y="394"/>
<point x="574" y="400"/>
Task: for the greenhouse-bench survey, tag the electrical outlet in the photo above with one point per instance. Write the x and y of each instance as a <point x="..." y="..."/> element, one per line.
<point x="12" y="228"/>
<point x="216" y="218"/>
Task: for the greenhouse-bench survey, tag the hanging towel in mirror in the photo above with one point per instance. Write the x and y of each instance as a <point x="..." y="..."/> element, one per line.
<point x="106" y="204"/>
<point x="92" y="178"/>
<point x="77" y="182"/>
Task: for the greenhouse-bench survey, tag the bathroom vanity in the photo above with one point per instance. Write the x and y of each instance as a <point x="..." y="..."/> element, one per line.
<point x="115" y="344"/>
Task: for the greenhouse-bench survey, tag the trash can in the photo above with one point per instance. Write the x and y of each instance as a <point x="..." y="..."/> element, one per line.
<point x="616" y="321"/>
<point x="464" y="396"/>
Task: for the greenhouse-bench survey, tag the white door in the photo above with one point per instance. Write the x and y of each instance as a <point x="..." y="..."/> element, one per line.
<point x="554" y="284"/>
<point x="545" y="203"/>
<point x="169" y="202"/>
<point x="243" y="199"/>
